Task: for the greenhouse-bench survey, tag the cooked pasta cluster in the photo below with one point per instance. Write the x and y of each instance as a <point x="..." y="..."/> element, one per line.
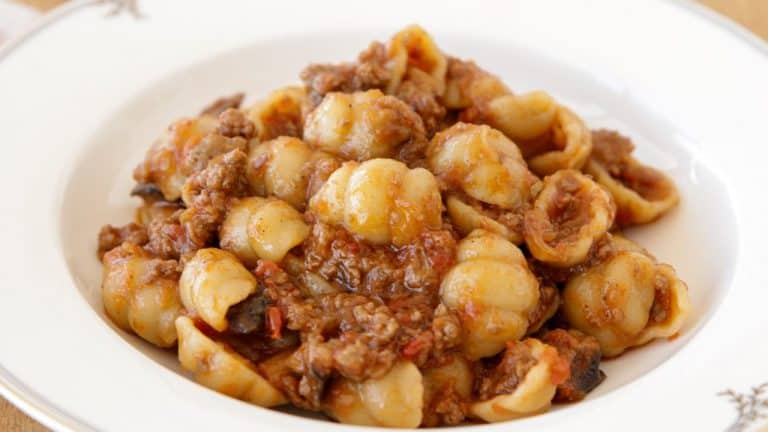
<point x="402" y="241"/>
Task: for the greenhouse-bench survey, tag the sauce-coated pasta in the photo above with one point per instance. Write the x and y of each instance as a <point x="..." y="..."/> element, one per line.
<point x="402" y="241"/>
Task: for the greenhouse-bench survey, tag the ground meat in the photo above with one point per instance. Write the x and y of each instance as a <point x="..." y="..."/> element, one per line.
<point x="320" y="79"/>
<point x="420" y="92"/>
<point x="502" y="374"/>
<point x="222" y="104"/>
<point x="368" y="72"/>
<point x="473" y="85"/>
<point x="162" y="269"/>
<point x="111" y="237"/>
<point x="208" y="194"/>
<point x="372" y="70"/>
<point x="383" y="271"/>
<point x="197" y="158"/>
<point x="350" y="334"/>
<point x="168" y="239"/>
<point x="582" y="352"/>
<point x="611" y="149"/>
<point x="662" y="300"/>
<point x="429" y="330"/>
<point x="356" y="336"/>
<point x="233" y="123"/>
<point x="445" y="407"/>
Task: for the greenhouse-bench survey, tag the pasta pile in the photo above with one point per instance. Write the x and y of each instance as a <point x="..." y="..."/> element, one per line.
<point x="401" y="241"/>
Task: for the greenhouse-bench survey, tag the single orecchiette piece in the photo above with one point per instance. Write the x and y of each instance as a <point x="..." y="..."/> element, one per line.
<point x="211" y="282"/>
<point x="626" y="300"/>
<point x="289" y="169"/>
<point x="485" y="165"/>
<point x="569" y="145"/>
<point x="568" y="216"/>
<point x="524" y="116"/>
<point x="221" y="369"/>
<point x="550" y="136"/>
<point x="642" y="193"/>
<point x="140" y="293"/>
<point x="412" y="47"/>
<point x="362" y="125"/>
<point x="161" y="166"/>
<point x="183" y="150"/>
<point x="381" y="200"/>
<point x="493" y="292"/>
<point x="534" y="370"/>
<point x="280" y="114"/>
<point x="262" y="228"/>
<point x="394" y="400"/>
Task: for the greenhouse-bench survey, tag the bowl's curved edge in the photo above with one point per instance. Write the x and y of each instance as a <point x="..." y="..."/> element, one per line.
<point x="61" y="11"/>
<point x="16" y="392"/>
<point x="38" y="407"/>
<point x="724" y="22"/>
<point x="45" y="411"/>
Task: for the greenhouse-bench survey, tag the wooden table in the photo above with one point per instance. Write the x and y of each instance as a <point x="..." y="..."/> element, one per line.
<point x="753" y="14"/>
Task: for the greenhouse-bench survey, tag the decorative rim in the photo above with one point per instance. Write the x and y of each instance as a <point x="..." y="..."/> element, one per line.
<point x="47" y="413"/>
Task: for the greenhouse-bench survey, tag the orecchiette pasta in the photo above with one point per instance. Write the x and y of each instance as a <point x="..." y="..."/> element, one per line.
<point x="362" y="125"/>
<point x="412" y="47"/>
<point x="626" y="300"/>
<point x="642" y="193"/>
<point x="221" y="369"/>
<point x="289" y="169"/>
<point x="163" y="164"/>
<point x="394" y="400"/>
<point x="350" y="246"/>
<point x="262" y="228"/>
<point x="568" y="216"/>
<point x="493" y="291"/>
<point x="485" y="165"/>
<point x="535" y="390"/>
<point x="381" y="200"/>
<point x="280" y="114"/>
<point x="211" y="282"/>
<point x="550" y="135"/>
<point x="140" y="293"/>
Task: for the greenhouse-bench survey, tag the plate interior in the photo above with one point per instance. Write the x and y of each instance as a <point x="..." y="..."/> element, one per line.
<point x="698" y="238"/>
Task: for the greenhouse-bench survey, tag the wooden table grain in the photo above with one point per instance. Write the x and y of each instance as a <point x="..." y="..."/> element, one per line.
<point x="752" y="14"/>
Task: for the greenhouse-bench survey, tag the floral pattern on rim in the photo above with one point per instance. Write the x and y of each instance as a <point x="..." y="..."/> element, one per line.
<point x="131" y="7"/>
<point x="751" y="407"/>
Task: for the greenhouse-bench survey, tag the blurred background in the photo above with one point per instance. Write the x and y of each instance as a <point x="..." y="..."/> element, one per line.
<point x="18" y="15"/>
